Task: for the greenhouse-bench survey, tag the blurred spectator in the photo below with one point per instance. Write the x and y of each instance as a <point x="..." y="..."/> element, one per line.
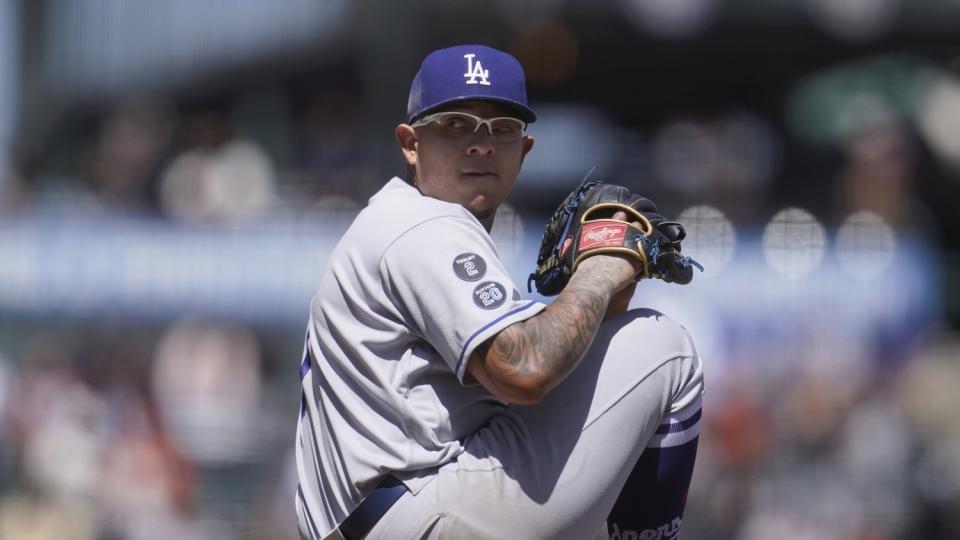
<point x="217" y="179"/>
<point x="739" y="443"/>
<point x="89" y="449"/>
<point x="926" y="393"/>
<point x="878" y="173"/>
<point x="129" y="146"/>
<point x="874" y="452"/>
<point x="207" y="382"/>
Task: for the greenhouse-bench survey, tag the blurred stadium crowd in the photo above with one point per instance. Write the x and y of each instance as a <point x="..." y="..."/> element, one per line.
<point x="173" y="173"/>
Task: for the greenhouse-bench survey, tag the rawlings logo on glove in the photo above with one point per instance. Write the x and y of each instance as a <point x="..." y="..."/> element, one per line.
<point x="602" y="234"/>
<point x="581" y="227"/>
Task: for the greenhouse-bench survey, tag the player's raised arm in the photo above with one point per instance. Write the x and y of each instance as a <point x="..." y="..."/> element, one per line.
<point x="527" y="359"/>
<point x="604" y="237"/>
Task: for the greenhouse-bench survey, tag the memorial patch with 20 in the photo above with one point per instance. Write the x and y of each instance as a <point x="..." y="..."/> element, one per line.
<point x="489" y="295"/>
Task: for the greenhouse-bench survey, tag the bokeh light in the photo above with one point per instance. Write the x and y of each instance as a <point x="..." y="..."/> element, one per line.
<point x="711" y="239"/>
<point x="794" y="242"/>
<point x="854" y="20"/>
<point x="939" y="118"/>
<point x="865" y="245"/>
<point x="671" y="19"/>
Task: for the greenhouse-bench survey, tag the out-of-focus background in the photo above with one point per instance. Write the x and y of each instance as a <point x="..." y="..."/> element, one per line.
<point x="173" y="175"/>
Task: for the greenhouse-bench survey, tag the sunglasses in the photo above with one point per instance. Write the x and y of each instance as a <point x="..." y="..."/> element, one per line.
<point x="457" y="124"/>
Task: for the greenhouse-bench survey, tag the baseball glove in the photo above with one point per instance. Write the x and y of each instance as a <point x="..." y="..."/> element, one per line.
<point x="583" y="226"/>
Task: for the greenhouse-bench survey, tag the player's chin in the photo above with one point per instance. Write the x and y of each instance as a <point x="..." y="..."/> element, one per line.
<point x="482" y="207"/>
<point x="483" y="214"/>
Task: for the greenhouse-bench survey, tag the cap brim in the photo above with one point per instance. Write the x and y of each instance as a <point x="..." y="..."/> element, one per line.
<point x="524" y="112"/>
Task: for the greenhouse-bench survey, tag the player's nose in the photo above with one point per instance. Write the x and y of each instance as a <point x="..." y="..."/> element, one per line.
<point x="482" y="143"/>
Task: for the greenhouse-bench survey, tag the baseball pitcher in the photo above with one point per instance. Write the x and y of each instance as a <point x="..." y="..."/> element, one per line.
<point x="438" y="402"/>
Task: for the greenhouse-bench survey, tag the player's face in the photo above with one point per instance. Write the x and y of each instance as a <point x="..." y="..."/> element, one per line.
<point x="476" y="170"/>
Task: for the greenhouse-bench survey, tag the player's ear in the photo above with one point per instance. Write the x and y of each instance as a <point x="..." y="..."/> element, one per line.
<point x="527" y="145"/>
<point x="407" y="138"/>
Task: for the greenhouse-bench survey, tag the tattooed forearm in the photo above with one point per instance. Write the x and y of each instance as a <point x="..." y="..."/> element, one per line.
<point x="549" y="345"/>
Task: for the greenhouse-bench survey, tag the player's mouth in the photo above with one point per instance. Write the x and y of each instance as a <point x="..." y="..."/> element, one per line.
<point x="480" y="175"/>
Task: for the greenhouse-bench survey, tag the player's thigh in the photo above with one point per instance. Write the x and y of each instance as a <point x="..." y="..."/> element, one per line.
<point x="555" y="469"/>
<point x="638" y="352"/>
<point x="500" y="504"/>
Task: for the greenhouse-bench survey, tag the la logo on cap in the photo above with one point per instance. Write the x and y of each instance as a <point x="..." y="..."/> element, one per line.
<point x="475" y="71"/>
<point x="438" y="82"/>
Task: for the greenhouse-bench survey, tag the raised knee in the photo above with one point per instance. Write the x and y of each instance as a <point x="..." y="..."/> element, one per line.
<point x="646" y="335"/>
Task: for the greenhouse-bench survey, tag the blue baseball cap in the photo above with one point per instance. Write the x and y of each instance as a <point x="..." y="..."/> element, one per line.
<point x="468" y="72"/>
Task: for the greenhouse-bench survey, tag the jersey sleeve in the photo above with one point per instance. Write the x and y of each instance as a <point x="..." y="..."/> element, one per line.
<point x="447" y="279"/>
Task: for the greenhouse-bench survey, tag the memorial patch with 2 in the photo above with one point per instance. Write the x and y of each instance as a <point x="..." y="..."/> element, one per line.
<point x="469" y="266"/>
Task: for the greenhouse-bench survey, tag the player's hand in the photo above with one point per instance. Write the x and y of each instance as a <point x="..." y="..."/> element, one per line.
<point x="620" y="215"/>
<point x="622" y="269"/>
<point x="584" y="226"/>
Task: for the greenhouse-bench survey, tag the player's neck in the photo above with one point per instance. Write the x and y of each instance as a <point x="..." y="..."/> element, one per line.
<point x="487" y="221"/>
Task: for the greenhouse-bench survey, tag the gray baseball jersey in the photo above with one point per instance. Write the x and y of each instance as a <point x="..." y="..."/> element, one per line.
<point x="414" y="285"/>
